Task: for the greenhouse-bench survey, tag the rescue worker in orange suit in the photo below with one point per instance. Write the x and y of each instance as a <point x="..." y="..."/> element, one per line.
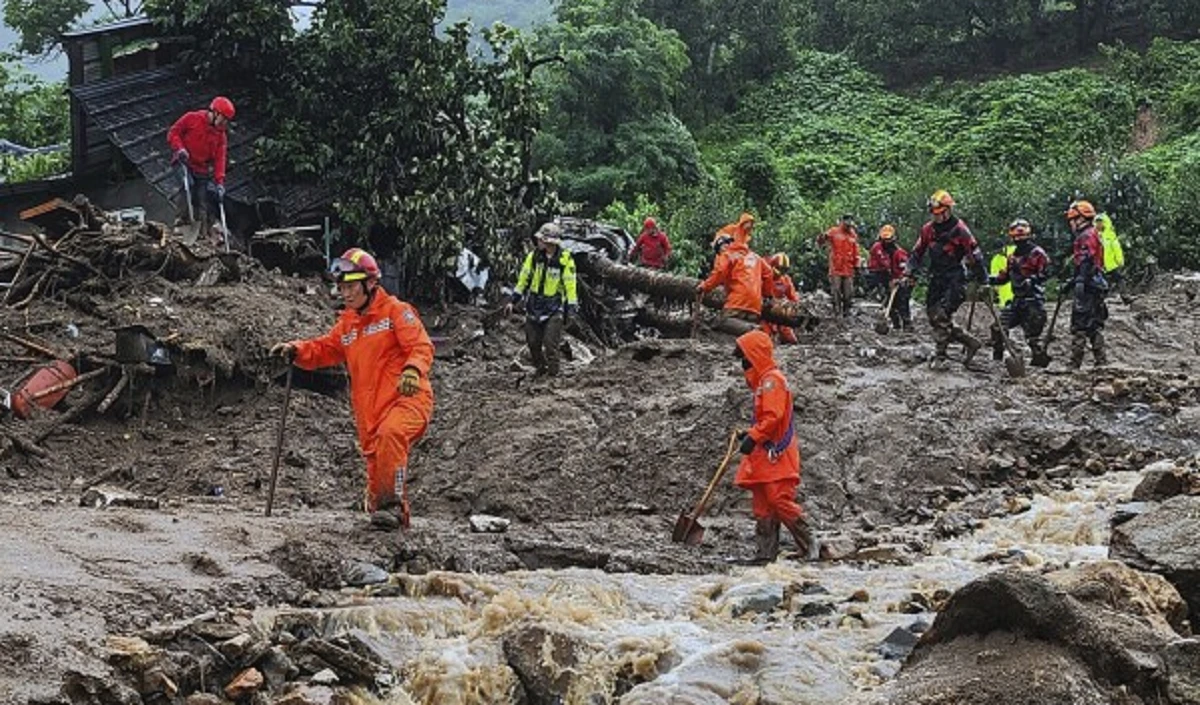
<point x="888" y="253"/>
<point x="1026" y="269"/>
<point x="745" y="275"/>
<point x="782" y="289"/>
<point x="198" y="140"/>
<point x="652" y="248"/>
<point x="388" y="355"/>
<point x="770" y="469"/>
<point x="952" y="250"/>
<point x="1088" y="286"/>
<point x="842" y="241"/>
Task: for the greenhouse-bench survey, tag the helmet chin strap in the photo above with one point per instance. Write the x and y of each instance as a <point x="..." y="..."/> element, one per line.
<point x="370" y="291"/>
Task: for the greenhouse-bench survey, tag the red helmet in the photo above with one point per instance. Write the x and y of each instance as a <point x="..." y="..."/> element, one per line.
<point x="222" y="106"/>
<point x="649" y="224"/>
<point x="355" y="264"/>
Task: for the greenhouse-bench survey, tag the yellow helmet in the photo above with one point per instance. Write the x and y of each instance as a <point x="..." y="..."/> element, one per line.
<point x="887" y="233"/>
<point x="1081" y="209"/>
<point x="940" y="201"/>
<point x="780" y="262"/>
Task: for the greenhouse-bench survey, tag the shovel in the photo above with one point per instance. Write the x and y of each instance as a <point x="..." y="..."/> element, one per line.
<point x="884" y="324"/>
<point x="1014" y="363"/>
<point x="224" y="227"/>
<point x="287" y="400"/>
<point x="191" y="230"/>
<point x="1041" y="356"/>
<point x="688" y="528"/>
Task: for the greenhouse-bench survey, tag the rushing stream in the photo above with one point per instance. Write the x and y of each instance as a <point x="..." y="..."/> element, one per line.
<point x="675" y="639"/>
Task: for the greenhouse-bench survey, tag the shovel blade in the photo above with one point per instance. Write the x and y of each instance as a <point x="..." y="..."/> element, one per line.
<point x="1015" y="366"/>
<point x="882" y="326"/>
<point x="1040" y="359"/>
<point x="688" y="530"/>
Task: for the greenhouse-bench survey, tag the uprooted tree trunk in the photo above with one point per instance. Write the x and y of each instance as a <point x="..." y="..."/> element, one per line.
<point x="683" y="290"/>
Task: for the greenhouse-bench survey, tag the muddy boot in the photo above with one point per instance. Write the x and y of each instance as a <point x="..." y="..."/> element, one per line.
<point x="802" y="535"/>
<point x="389" y="517"/>
<point x="766" y="540"/>
<point x="1099" y="349"/>
<point x="1079" y="344"/>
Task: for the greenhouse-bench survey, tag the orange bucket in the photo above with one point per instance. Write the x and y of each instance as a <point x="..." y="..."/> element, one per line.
<point x="44" y="378"/>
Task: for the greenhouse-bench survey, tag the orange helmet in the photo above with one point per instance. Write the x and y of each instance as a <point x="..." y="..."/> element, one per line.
<point x="1019" y="229"/>
<point x="1080" y="209"/>
<point x="780" y="262"/>
<point x="222" y="106"/>
<point x="355" y="264"/>
<point x="887" y="233"/>
<point x="940" y="201"/>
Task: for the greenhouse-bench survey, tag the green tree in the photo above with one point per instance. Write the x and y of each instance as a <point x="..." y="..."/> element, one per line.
<point x="32" y="114"/>
<point x="41" y="22"/>
<point x="419" y="141"/>
<point x="610" y="128"/>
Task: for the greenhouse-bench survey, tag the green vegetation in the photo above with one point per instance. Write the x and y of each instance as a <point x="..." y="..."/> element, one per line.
<point x="32" y="114"/>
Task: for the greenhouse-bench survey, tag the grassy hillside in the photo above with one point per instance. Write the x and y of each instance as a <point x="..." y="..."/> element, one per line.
<point x="827" y="138"/>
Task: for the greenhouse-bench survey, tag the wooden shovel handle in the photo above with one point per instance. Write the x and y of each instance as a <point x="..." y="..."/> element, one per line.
<point x="712" y="485"/>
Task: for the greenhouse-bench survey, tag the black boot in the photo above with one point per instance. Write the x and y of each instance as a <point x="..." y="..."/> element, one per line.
<point x="766" y="540"/>
<point x="1099" y="349"/>
<point x="997" y="344"/>
<point x="1079" y="342"/>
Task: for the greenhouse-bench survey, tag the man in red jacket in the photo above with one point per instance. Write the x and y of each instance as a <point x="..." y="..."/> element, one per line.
<point x="388" y="355"/>
<point x="652" y="247"/>
<point x="889" y="257"/>
<point x="198" y="140"/>
<point x="770" y="469"/>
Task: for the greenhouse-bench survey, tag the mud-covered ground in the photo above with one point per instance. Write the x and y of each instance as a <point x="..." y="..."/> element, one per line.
<point x="592" y="468"/>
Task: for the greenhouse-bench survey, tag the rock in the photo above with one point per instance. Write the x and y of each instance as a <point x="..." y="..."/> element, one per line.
<point x="896" y="554"/>
<point x="1181" y="659"/>
<point x="999" y="630"/>
<point x="837" y="548"/>
<point x="1161" y="480"/>
<point x="202" y="699"/>
<point x="1058" y="472"/>
<point x="859" y="595"/>
<point x="87" y="688"/>
<point x="1162" y="540"/>
<point x="486" y="524"/>
<point x="360" y="573"/>
<point x="101" y="497"/>
<point x="1001" y="463"/>
<point x="233" y="649"/>
<point x="1116" y="586"/>
<point x="1103" y="392"/>
<point x="953" y="523"/>
<point x="1095" y="466"/>
<point x="350" y="666"/>
<point x="276" y="666"/>
<point x="244" y="684"/>
<point x="817" y="609"/>
<point x="325" y="677"/>
<point x="758" y="598"/>
<point x="885" y="670"/>
<point x="1128" y="510"/>
<point x="544" y="660"/>
<point x="898" y="645"/>
<point x="308" y="695"/>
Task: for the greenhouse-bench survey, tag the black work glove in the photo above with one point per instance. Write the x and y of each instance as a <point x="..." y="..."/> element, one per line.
<point x="747" y="443"/>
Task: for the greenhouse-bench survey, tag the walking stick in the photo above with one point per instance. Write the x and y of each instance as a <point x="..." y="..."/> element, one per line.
<point x="287" y="400"/>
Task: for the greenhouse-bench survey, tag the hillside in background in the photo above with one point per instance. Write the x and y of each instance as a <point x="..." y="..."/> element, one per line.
<point x="523" y="14"/>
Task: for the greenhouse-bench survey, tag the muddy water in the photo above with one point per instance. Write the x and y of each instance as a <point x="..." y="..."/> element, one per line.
<point x="674" y="639"/>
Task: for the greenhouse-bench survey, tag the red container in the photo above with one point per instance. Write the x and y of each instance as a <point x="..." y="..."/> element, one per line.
<point x="44" y="378"/>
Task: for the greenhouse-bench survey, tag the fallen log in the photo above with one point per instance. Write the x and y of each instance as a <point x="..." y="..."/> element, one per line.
<point x="682" y="289"/>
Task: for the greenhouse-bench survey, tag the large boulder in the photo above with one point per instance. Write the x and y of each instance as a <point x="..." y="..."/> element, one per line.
<point x="544" y="661"/>
<point x="1082" y="636"/>
<point x="1163" y="540"/>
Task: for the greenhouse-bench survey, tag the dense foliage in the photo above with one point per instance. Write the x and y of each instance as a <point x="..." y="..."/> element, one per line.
<point x="32" y="114"/>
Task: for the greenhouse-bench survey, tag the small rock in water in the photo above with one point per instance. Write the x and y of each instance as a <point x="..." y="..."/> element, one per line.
<point x="360" y="573"/>
<point x="325" y="677"/>
<point x="487" y="524"/>
<point x="898" y="645"/>
<point x="760" y="598"/>
<point x="886" y="670"/>
<point x="816" y="609"/>
<point x="860" y="595"/>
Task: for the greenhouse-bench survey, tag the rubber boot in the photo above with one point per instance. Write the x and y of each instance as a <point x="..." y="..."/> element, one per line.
<point x="1079" y="342"/>
<point x="390" y="516"/>
<point x="766" y="540"/>
<point x="1099" y="349"/>
<point x="802" y="535"/>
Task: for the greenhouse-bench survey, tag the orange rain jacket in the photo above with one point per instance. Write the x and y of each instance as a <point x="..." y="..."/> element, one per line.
<point x="745" y="275"/>
<point x="776" y="455"/>
<point x="376" y="346"/>
<point x="843" y="250"/>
